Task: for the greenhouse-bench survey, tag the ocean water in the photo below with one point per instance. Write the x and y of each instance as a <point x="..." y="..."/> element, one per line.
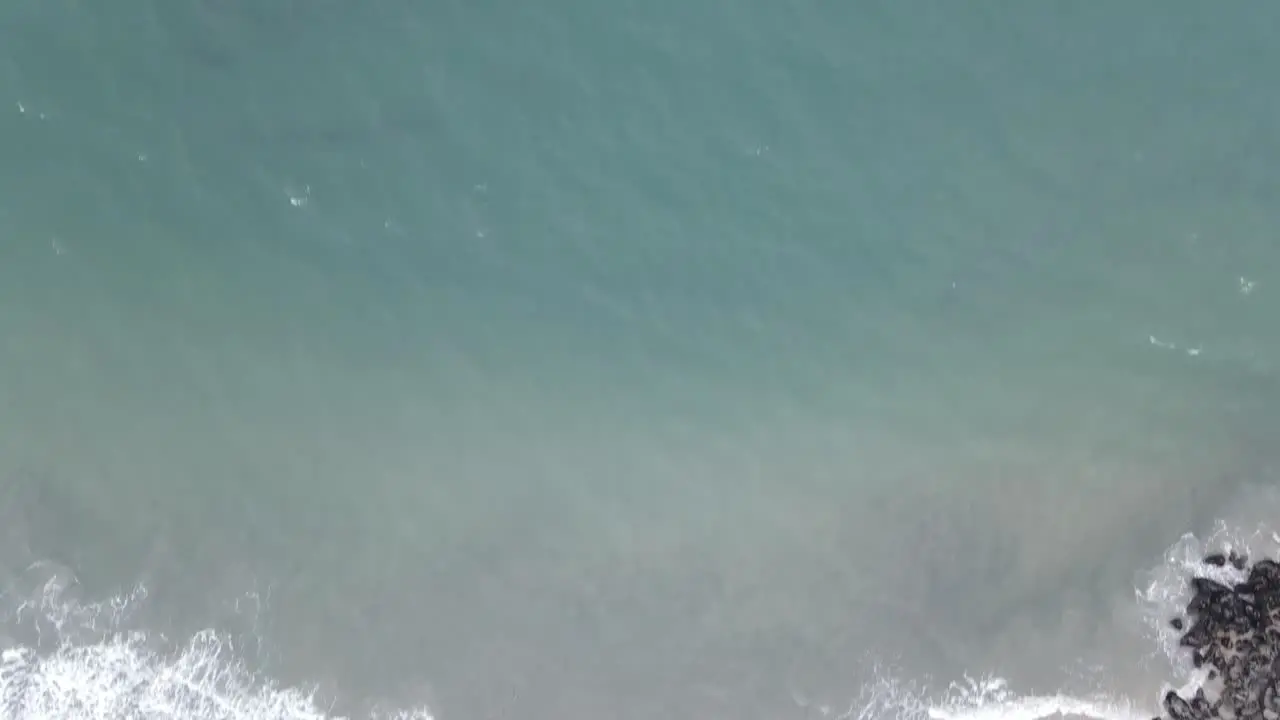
<point x="700" y="360"/>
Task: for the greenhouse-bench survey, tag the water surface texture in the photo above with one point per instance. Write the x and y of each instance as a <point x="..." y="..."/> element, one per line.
<point x="625" y="360"/>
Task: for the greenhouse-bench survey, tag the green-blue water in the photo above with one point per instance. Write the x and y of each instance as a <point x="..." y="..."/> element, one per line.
<point x="632" y="359"/>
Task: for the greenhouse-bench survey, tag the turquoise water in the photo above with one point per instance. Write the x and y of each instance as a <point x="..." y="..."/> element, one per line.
<point x="638" y="360"/>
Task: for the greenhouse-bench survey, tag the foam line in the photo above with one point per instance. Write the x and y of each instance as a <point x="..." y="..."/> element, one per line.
<point x="1035" y="707"/>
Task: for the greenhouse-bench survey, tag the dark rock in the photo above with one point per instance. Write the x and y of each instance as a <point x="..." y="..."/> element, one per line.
<point x="1271" y="696"/>
<point x="1201" y="706"/>
<point x="1264" y="576"/>
<point x="1207" y="592"/>
<point x="1200" y="635"/>
<point x="1235" y="633"/>
<point x="1178" y="708"/>
<point x="1213" y="588"/>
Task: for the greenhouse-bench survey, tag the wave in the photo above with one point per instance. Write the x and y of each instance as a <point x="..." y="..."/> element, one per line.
<point x="85" y="661"/>
<point x="78" y="663"/>
<point x="990" y="699"/>
<point x="1159" y="594"/>
<point x="986" y="698"/>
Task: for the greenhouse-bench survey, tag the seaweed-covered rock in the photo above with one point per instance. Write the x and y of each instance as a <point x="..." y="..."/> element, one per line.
<point x="1235" y="632"/>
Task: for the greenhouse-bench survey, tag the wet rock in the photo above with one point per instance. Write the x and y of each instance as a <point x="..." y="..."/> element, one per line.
<point x="1251" y="707"/>
<point x="1201" y="706"/>
<point x="1264" y="577"/>
<point x="1178" y="708"/>
<point x="1269" y="696"/>
<point x="1208" y="592"/>
<point x="1200" y="635"/>
<point x="1234" y="631"/>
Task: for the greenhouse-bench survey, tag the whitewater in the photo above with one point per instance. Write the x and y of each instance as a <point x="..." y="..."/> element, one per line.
<point x="69" y="659"/>
<point x="82" y="661"/>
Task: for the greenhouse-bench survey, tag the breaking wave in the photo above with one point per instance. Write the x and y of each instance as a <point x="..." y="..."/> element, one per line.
<point x="69" y="660"/>
<point x="986" y="698"/>
<point x="78" y="661"/>
<point x="1160" y="594"/>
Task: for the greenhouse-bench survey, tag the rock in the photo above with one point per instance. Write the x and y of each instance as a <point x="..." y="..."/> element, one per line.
<point x="1200" y="634"/>
<point x="1235" y="632"/>
<point x="1178" y="708"/>
<point x="1201" y="706"/>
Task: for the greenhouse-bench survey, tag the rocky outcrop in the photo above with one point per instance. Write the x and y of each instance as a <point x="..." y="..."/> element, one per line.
<point x="1233" y="632"/>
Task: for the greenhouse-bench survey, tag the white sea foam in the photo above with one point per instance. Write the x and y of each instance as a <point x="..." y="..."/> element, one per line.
<point x="79" y="661"/>
<point x="1166" y="591"/>
<point x="82" y="666"/>
<point x="991" y="699"/>
<point x="887" y="697"/>
<point x="1161" y="595"/>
